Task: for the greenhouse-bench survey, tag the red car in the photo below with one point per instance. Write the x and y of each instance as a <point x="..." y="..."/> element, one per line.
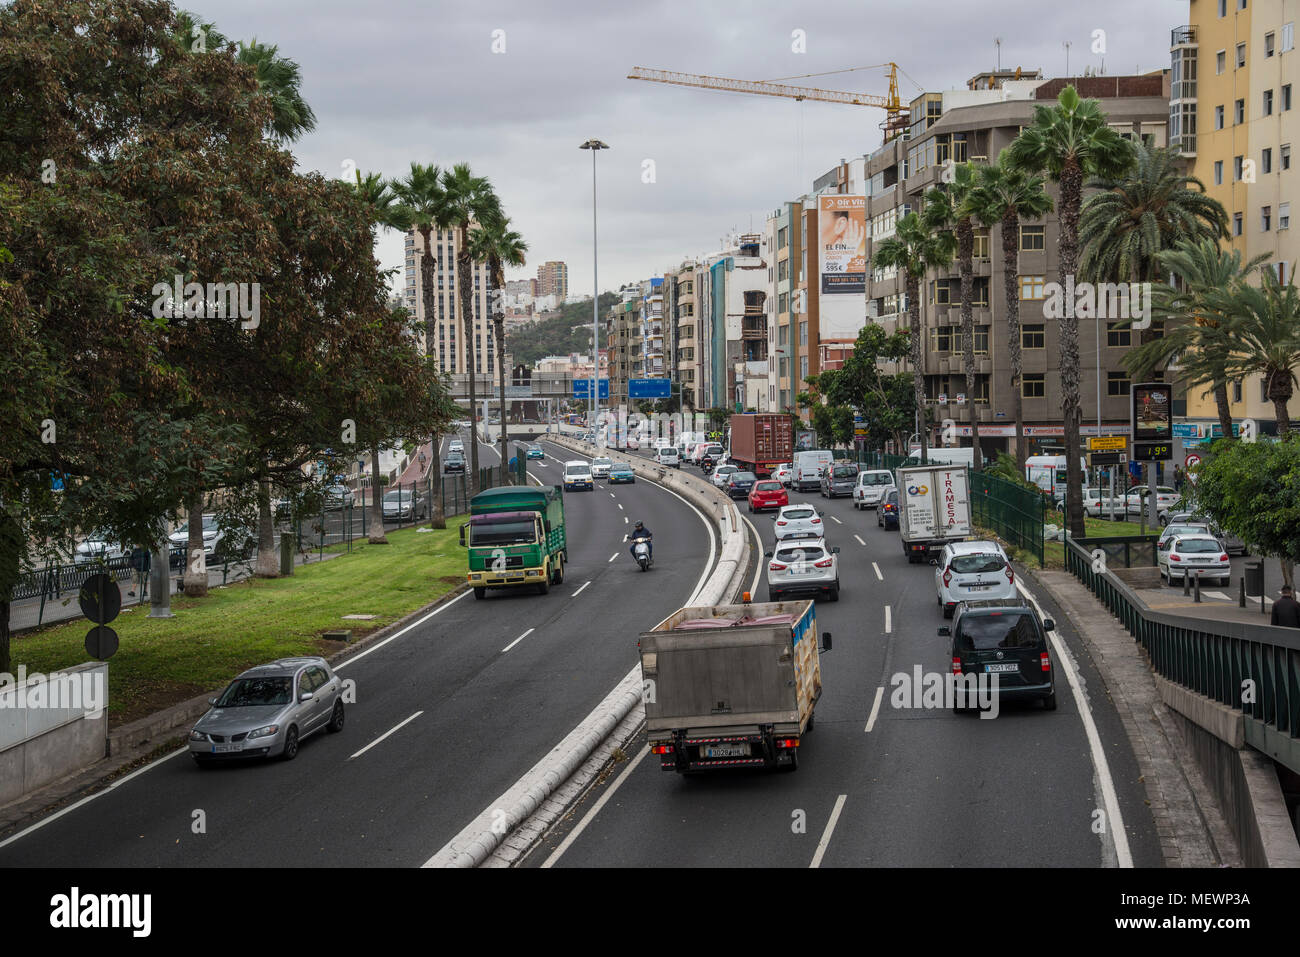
<point x="767" y="493"/>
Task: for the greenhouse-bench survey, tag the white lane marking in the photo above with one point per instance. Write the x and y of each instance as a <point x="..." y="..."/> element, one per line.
<point x="620" y="504"/>
<point x="624" y="519"/>
<point x="391" y="730"/>
<point x="889" y="620"/>
<point x="90" y="797"/>
<point x="579" y="591"/>
<point x="836" y="520"/>
<point x="524" y="635"/>
<point x="759" y="562"/>
<point x="611" y="494"/>
<point x="615" y="555"/>
<point x="875" y="710"/>
<point x="595" y="808"/>
<point x="860" y="541"/>
<point x="879" y="577"/>
<point x="1099" y="763"/>
<point x="414" y="624"/>
<point x="830" y="829"/>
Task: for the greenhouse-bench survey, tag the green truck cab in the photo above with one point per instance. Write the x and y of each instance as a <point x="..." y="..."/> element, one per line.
<point x="516" y="537"/>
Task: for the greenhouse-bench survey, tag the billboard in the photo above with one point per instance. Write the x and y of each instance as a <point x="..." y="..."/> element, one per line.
<point x="842" y="244"/>
<point x="1153" y="411"/>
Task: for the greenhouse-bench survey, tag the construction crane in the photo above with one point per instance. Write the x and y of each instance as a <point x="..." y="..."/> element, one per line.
<point x="896" y="119"/>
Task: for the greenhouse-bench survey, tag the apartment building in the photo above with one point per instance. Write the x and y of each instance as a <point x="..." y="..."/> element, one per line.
<point x="680" y="294"/>
<point x="625" y="342"/>
<point x="449" y="346"/>
<point x="553" y="280"/>
<point x="733" y="326"/>
<point x="976" y="124"/>
<point x="1232" y="111"/>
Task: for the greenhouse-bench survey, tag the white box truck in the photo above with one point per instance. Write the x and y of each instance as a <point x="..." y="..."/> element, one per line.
<point x="934" y="508"/>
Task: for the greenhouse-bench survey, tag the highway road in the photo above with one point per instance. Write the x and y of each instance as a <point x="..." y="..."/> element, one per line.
<point x="877" y="785"/>
<point x="464" y="718"/>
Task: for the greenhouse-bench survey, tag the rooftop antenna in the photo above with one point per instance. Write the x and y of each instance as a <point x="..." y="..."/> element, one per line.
<point x="1066" y="44"/>
<point x="997" y="42"/>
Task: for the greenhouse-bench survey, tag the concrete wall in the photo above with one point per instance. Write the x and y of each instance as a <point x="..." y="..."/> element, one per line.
<point x="42" y="741"/>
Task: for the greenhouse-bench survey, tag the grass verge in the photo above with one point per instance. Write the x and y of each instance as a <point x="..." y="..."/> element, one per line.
<point x="160" y="662"/>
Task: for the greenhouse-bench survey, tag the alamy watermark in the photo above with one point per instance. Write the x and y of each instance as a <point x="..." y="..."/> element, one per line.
<point x="615" y="427"/>
<point x="934" y="690"/>
<point x="1105" y="300"/>
<point x="216" y="300"/>
<point x="59" y="690"/>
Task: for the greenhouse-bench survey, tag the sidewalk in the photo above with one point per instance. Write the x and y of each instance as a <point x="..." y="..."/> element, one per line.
<point x="23" y="614"/>
<point x="1189" y="821"/>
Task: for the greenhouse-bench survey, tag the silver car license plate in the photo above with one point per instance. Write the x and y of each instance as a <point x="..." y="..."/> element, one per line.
<point x="226" y="748"/>
<point x="1001" y="667"/>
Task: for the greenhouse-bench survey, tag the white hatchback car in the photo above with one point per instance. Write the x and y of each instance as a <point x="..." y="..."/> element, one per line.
<point x="600" y="466"/>
<point x="1197" y="555"/>
<point x="803" y="567"/>
<point x="783" y="473"/>
<point x="721" y="474"/>
<point x="798" y="521"/>
<point x="871" y="487"/>
<point x="971" y="571"/>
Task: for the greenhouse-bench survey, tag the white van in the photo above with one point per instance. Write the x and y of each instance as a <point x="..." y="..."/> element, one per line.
<point x="808" y="469"/>
<point x="686" y="443"/>
<point x="871" y="487"/>
<point x="668" y="456"/>
<point x="1048" y="473"/>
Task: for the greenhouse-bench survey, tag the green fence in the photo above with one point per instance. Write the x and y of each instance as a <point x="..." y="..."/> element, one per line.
<point x="1014" y="513"/>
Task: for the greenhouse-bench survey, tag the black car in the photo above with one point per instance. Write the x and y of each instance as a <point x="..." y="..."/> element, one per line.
<point x="887" y="512"/>
<point x="1004" y="638"/>
<point x="453" y="463"/>
<point x="739" y="484"/>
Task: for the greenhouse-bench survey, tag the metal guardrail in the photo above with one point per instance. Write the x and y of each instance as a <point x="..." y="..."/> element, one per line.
<point x="1217" y="659"/>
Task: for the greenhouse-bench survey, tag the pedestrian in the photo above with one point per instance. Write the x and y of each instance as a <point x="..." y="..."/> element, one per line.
<point x="1178" y="478"/>
<point x="1286" y="610"/>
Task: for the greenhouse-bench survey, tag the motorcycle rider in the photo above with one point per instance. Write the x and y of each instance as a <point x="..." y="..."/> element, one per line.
<point x="639" y="533"/>
<point x="707" y="463"/>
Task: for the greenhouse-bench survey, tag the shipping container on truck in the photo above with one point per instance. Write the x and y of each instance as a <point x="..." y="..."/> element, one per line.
<point x="934" y="508"/>
<point x="761" y="441"/>
<point x="516" y="538"/>
<point x="730" y="686"/>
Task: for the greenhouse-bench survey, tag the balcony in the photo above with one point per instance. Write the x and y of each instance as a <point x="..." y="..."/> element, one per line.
<point x="1184" y="36"/>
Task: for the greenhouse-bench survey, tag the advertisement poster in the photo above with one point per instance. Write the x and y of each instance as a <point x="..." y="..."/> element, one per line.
<point x="842" y="239"/>
<point x="1153" y="404"/>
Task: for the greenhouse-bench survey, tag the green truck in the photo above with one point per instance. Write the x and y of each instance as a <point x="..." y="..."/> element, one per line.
<point x="516" y="537"/>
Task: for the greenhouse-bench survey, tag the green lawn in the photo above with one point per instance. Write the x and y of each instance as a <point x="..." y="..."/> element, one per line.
<point x="162" y="661"/>
<point x="1054" y="552"/>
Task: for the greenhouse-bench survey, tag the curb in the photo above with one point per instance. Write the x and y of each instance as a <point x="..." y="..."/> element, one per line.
<point x="527" y="805"/>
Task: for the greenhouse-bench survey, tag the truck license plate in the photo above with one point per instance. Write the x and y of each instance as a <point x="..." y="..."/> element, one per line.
<point x="729" y="751"/>
<point x="1003" y="667"/>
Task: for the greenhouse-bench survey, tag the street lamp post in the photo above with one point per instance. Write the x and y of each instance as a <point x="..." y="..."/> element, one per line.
<point x="594" y="145"/>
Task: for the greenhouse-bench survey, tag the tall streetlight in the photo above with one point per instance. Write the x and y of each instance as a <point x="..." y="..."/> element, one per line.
<point x="594" y="145"/>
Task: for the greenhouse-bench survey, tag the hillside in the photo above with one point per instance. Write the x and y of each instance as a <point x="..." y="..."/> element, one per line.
<point x="570" y="331"/>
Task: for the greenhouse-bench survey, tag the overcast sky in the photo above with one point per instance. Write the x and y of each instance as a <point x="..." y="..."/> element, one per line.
<point x="392" y="81"/>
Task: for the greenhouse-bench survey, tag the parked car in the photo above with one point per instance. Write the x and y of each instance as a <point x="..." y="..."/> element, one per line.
<point x="213" y="535"/>
<point x="267" y="712"/>
<point x="739" y="483"/>
<point x="621" y="473"/>
<point x="1097" y="503"/>
<point x="1197" y="555"/>
<point x="337" y="496"/>
<point x="721" y="474"/>
<point x="967" y="571"/>
<point x="600" y="466"/>
<point x="887" y="510"/>
<point x="1231" y="543"/>
<point x="798" y="521"/>
<point x="99" y="544"/>
<point x="1187" y="528"/>
<point x="839" y="478"/>
<point x="1006" y="638"/>
<point x="801" y="567"/>
<point x="870" y="487"/>
<point x="1166" y="498"/>
<point x="577" y="474"/>
<point x="766" y="494"/>
<point x="404" y="504"/>
<point x="783" y="473"/>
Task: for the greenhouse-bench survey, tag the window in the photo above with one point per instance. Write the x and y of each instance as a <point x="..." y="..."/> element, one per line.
<point x="1236" y="392"/>
<point x="1117" y="383"/>
<point x="1265" y="218"/>
<point x="1218" y="117"/>
<point x="1218" y="172"/>
<point x="1241" y="55"/>
<point x="1284" y="216"/>
<point x="1286" y="98"/>
<point x="1236" y="169"/>
<point x="1241" y="4"/>
<point x="1221" y="61"/>
<point x="1268" y="102"/>
<point x="1033" y="237"/>
<point x="1266" y="161"/>
<point x="1031" y="287"/>
<point x="1288" y="36"/>
<point x="944" y="292"/>
<point x="1033" y="336"/>
<point x="941" y="339"/>
<point x="982" y="245"/>
<point x="1284" y="154"/>
<point x="1236" y="224"/>
<point x="1239" y="112"/>
<point x="1118" y="337"/>
<point x="1263" y="390"/>
<point x="1223" y="8"/>
<point x="1033" y="385"/>
<point x="981" y="340"/>
<point x="1268" y="45"/>
<point x="783" y="270"/>
<point x="803" y="333"/>
<point x="783" y="237"/>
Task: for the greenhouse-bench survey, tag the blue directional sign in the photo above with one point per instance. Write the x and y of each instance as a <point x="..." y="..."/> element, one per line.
<point x="1185" y="430"/>
<point x="582" y="388"/>
<point x="649" y="388"/>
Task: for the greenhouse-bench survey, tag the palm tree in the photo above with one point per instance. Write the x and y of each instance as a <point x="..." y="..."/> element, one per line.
<point x="913" y="249"/>
<point x="1068" y="142"/>
<point x="1124" y="228"/>
<point x="1003" y="196"/>
<point x="496" y="244"/>
<point x="281" y="80"/>
<point x="1196" y="327"/>
<point x="948" y="208"/>
<point x="467" y="199"/>
<point x="1264" y="326"/>
<point x="421" y="199"/>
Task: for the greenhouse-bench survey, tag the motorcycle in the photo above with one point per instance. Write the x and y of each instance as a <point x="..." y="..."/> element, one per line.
<point x="707" y="466"/>
<point x="641" y="552"/>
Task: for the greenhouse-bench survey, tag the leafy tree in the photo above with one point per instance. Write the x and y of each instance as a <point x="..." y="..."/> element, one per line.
<point x="885" y="401"/>
<point x="1003" y="197"/>
<point x="1252" y="489"/>
<point x="1264" y="325"/>
<point x="1068" y="142"/>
